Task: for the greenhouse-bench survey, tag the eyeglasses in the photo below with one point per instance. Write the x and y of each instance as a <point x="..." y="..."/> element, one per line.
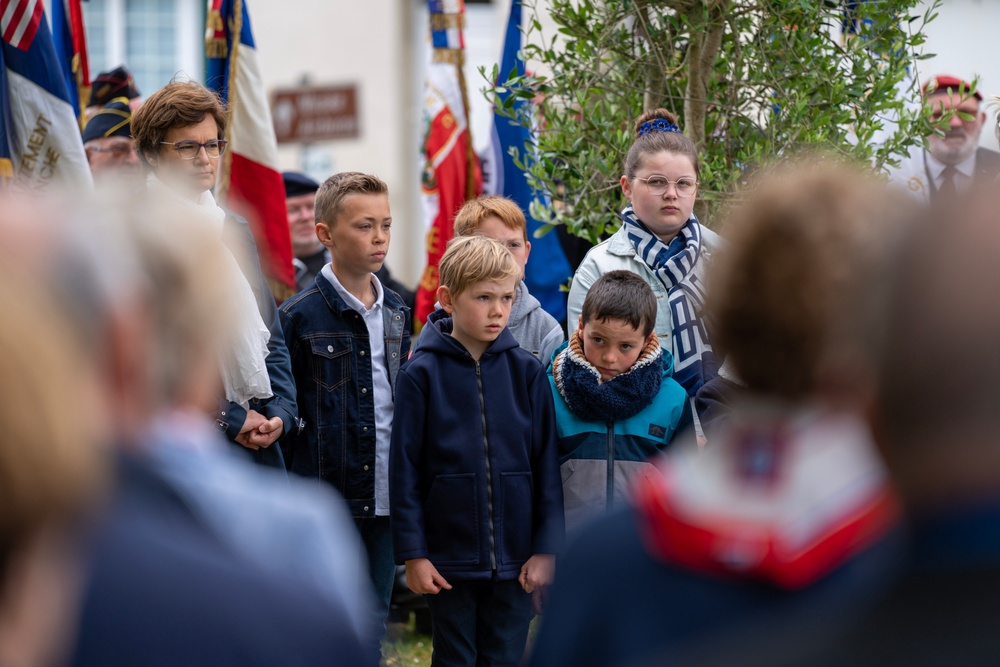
<point x="657" y="185"/>
<point x="117" y="151"/>
<point x="189" y="150"/>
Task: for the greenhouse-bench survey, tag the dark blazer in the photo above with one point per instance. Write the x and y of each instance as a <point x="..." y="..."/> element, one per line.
<point x="473" y="469"/>
<point x="984" y="174"/>
<point x="239" y="240"/>
<point x="987" y="167"/>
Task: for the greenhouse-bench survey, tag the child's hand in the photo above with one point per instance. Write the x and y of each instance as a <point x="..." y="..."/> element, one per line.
<point x="422" y="577"/>
<point x="535" y="577"/>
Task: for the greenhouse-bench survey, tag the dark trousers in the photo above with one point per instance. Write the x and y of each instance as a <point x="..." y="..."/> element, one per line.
<point x="377" y="539"/>
<point x="480" y="624"/>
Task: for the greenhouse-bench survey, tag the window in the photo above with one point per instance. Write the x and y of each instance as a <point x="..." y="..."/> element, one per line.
<point x="155" y="39"/>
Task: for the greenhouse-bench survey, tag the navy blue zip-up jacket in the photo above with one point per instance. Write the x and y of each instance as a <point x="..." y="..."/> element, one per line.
<point x="473" y="468"/>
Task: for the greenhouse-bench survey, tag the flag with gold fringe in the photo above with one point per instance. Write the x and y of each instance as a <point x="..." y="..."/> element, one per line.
<point x="250" y="183"/>
<point x="451" y="172"/>
<point x="40" y="143"/>
<point x="71" y="46"/>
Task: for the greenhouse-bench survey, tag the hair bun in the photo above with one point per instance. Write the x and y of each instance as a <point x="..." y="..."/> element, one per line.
<point x="652" y="115"/>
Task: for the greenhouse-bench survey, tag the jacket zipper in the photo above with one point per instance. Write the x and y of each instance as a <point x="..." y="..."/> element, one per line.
<point x="489" y="476"/>
<point x="611" y="465"/>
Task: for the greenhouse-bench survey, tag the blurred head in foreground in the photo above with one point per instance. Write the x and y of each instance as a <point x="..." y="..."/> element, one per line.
<point x="936" y="417"/>
<point x="789" y="299"/>
<point x="51" y="468"/>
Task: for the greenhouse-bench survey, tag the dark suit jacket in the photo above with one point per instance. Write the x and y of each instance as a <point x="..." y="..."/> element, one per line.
<point x="164" y="590"/>
<point x="987" y="167"/>
<point x="985" y="173"/>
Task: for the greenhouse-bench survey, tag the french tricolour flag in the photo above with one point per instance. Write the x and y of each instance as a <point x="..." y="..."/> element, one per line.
<point x="70" y="40"/>
<point x="251" y="181"/>
<point x="40" y="144"/>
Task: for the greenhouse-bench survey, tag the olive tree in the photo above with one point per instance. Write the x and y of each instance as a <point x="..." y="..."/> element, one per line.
<point x="750" y="80"/>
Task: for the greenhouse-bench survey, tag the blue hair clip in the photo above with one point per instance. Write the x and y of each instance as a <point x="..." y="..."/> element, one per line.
<point x="658" y="125"/>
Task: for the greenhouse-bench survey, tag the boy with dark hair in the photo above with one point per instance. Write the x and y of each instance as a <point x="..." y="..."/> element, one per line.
<point x="477" y="509"/>
<point x="616" y="402"/>
<point x="347" y="336"/>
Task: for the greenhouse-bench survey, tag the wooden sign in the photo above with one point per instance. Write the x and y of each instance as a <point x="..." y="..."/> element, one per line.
<point x="315" y="114"/>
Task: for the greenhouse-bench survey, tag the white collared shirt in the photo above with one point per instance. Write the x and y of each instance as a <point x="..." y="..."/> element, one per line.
<point x="380" y="387"/>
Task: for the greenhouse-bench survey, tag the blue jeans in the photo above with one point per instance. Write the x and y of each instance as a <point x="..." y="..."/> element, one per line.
<point x="479" y="624"/>
<point x="377" y="539"/>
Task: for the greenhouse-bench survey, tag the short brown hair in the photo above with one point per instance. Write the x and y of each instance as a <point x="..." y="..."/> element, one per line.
<point x="796" y="279"/>
<point x="177" y="104"/>
<point x="654" y="142"/>
<point x="475" y="211"/>
<point x="472" y="259"/>
<point x="330" y="196"/>
<point x="624" y="296"/>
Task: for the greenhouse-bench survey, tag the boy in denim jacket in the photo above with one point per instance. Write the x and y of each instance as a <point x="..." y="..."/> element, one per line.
<point x="347" y="335"/>
<point x="477" y="502"/>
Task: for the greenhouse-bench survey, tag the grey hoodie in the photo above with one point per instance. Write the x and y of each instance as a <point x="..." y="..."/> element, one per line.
<point x="535" y="330"/>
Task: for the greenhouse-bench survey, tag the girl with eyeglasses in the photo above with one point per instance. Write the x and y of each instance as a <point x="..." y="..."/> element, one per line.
<point x="661" y="240"/>
<point x="179" y="135"/>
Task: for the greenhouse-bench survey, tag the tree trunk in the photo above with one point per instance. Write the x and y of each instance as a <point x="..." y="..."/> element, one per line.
<point x="655" y="84"/>
<point x="706" y="40"/>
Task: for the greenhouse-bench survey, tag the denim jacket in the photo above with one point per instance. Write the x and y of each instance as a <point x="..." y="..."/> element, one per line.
<point x="328" y="343"/>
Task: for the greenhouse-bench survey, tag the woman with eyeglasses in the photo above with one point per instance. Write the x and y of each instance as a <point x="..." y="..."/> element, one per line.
<point x="661" y="240"/>
<point x="179" y="135"/>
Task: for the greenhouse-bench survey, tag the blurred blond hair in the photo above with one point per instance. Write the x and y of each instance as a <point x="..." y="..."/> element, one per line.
<point x="52" y="465"/>
<point x="476" y="211"/>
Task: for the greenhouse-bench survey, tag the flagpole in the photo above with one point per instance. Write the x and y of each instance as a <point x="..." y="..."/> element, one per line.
<point x="234" y="40"/>
<point x="470" y="166"/>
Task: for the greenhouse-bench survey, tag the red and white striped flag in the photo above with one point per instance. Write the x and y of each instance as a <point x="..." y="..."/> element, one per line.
<point x="251" y="181"/>
<point x="20" y="20"/>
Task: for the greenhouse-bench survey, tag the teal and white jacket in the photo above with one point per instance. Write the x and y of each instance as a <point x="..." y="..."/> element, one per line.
<point x="608" y="431"/>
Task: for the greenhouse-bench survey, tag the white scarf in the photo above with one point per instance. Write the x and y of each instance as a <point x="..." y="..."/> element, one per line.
<point x="244" y="366"/>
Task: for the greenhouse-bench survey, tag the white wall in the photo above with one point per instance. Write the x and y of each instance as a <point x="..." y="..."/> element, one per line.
<point x="371" y="45"/>
<point x="381" y="47"/>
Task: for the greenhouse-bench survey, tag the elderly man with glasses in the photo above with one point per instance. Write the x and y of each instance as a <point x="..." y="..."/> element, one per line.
<point x="953" y="161"/>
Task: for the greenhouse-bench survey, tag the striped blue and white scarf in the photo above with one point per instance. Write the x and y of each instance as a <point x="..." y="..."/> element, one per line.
<point x="679" y="267"/>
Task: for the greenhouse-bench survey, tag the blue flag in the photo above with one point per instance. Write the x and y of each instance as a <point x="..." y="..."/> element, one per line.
<point x="547" y="267"/>
<point x="70" y="41"/>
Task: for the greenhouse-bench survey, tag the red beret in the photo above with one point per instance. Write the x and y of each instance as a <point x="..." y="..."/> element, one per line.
<point x="942" y="83"/>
